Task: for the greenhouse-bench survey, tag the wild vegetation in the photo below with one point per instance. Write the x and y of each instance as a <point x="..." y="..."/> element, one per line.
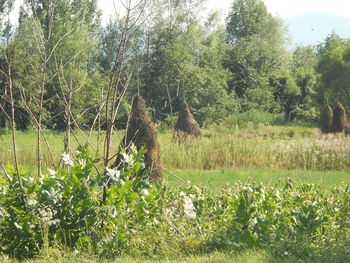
<point x="82" y="163"/>
<point x="140" y="219"/>
<point x="260" y="146"/>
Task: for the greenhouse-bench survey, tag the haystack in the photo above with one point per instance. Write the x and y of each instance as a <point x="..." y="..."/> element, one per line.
<point x="347" y="129"/>
<point x="326" y="119"/>
<point x="142" y="132"/>
<point x="186" y="123"/>
<point x="339" y="118"/>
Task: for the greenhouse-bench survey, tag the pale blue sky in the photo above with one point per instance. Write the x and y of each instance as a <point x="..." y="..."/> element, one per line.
<point x="283" y="8"/>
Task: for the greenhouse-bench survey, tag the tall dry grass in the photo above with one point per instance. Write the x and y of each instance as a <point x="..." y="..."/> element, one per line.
<point x="266" y="147"/>
<point x="255" y="147"/>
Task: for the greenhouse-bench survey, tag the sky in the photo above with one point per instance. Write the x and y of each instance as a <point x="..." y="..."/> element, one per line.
<point x="282" y="8"/>
<point x="286" y="8"/>
<point x="307" y="32"/>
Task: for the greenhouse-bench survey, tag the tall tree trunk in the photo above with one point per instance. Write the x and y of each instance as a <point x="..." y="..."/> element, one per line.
<point x="67" y="142"/>
<point x="12" y="100"/>
<point x="13" y="125"/>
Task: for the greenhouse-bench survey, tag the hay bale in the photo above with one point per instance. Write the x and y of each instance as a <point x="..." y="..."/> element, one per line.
<point x="347" y="129"/>
<point x="141" y="131"/>
<point x="339" y="118"/>
<point x="186" y="123"/>
<point x="326" y="119"/>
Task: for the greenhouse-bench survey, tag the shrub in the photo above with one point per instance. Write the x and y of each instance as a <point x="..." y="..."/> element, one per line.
<point x="65" y="207"/>
<point x="253" y="118"/>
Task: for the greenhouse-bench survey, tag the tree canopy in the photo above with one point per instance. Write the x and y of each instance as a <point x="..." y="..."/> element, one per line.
<point x="62" y="57"/>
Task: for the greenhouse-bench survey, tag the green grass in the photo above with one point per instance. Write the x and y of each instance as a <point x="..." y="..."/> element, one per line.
<point x="216" y="180"/>
<point x="27" y="146"/>
<point x="248" y="256"/>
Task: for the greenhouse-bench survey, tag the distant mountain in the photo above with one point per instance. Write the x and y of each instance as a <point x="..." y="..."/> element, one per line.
<point x="311" y="28"/>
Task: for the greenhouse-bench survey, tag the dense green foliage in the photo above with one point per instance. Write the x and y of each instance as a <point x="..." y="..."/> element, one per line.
<point x="61" y="57"/>
<point x="138" y="219"/>
<point x="334" y="62"/>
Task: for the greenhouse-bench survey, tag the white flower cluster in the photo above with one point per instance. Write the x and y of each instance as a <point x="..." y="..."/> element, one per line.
<point x="114" y="174"/>
<point x="67" y="159"/>
<point x="189" y="208"/>
<point x="52" y="172"/>
<point x="47" y="217"/>
<point x="144" y="192"/>
<point x="128" y="158"/>
<point x="170" y="212"/>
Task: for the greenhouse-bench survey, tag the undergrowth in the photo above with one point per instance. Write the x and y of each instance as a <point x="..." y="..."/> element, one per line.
<point x="65" y="208"/>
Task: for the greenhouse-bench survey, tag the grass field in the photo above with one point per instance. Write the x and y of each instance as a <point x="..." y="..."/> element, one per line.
<point x="265" y="154"/>
<point x="216" y="180"/>
<point x="250" y="256"/>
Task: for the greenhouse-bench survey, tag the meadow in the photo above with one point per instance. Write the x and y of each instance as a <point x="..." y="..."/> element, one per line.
<point x="263" y="152"/>
<point x="252" y="193"/>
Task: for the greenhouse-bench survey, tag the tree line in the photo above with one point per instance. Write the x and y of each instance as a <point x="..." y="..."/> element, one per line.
<point x="61" y="68"/>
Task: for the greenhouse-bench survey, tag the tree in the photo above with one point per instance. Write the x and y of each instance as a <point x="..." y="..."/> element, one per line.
<point x="334" y="70"/>
<point x="68" y="31"/>
<point x="306" y="79"/>
<point x="256" y="54"/>
<point x="294" y="88"/>
<point x="248" y="18"/>
<point x="54" y="46"/>
<point x="183" y="60"/>
<point x="8" y="96"/>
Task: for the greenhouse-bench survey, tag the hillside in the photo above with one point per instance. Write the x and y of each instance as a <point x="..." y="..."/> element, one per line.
<point x="311" y="28"/>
